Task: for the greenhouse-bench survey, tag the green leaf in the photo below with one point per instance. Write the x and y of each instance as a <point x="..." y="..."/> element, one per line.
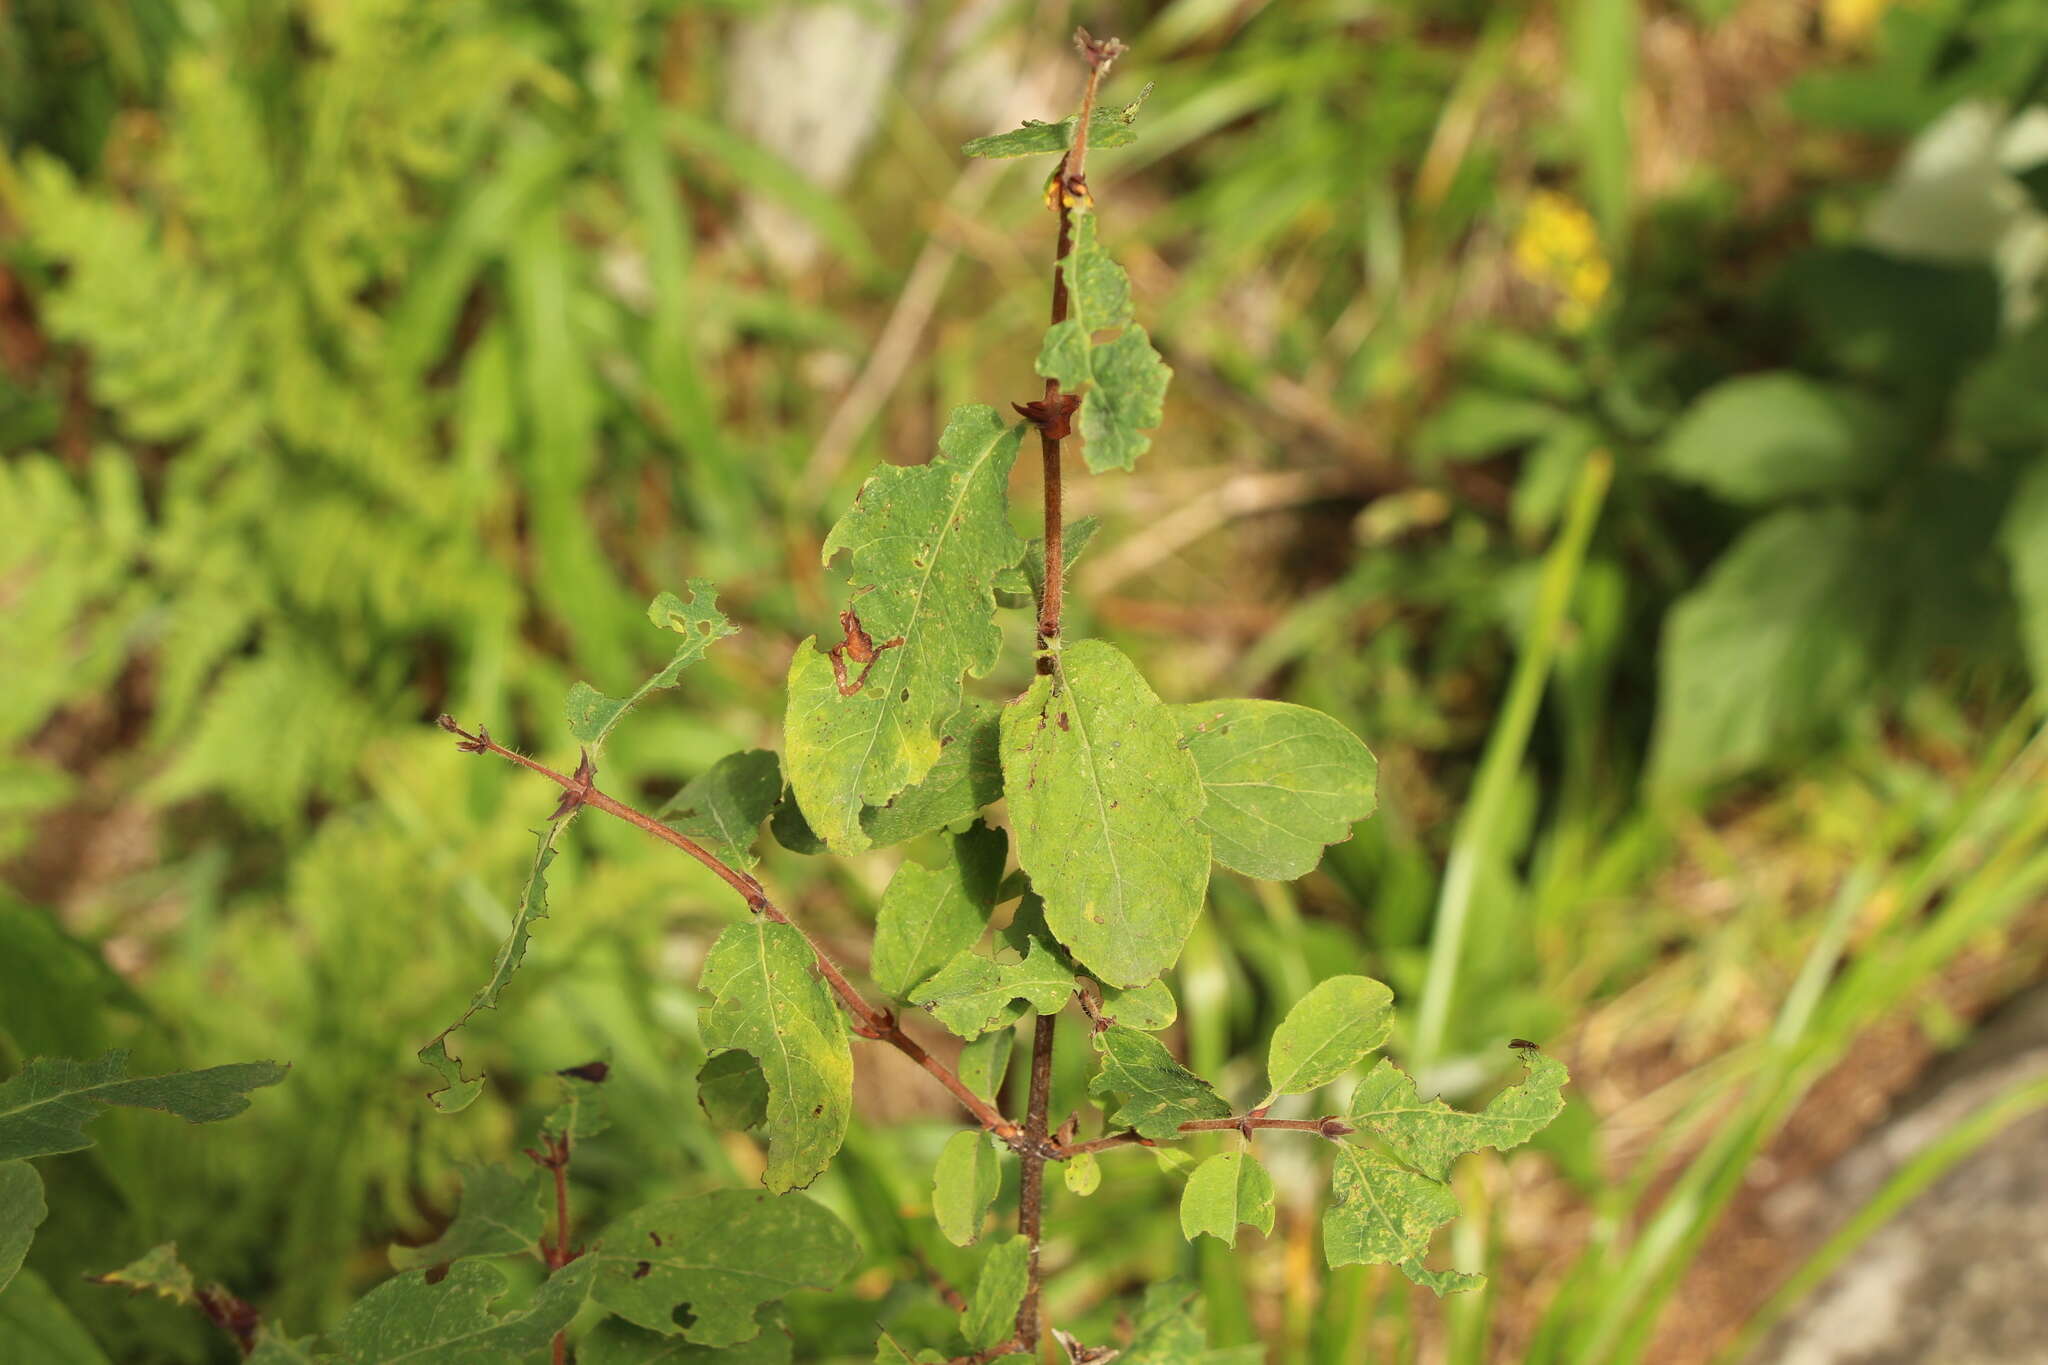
<point x="1330" y="1030"/>
<point x="723" y="809"/>
<point x="1430" y="1136"/>
<point x="592" y="715"/>
<point x="36" y="1326"/>
<point x="500" y="1214"/>
<point x="984" y="1061"/>
<point x="1771" y="649"/>
<point x="791" y="830"/>
<point x="1760" y="438"/>
<point x="22" y="1211"/>
<point x="1167" y="1333"/>
<point x="888" y="1352"/>
<point x="1083" y="1174"/>
<point x="964" y="1184"/>
<point x="1227" y="1189"/>
<point x="722" y="1255"/>
<point x="733" y="1090"/>
<point x="44" y="1109"/>
<point x="1441" y="1282"/>
<point x="157" y="1271"/>
<point x="1150" y="1007"/>
<point x="1477" y="422"/>
<point x="926" y="542"/>
<point x="1380" y="1211"/>
<point x="275" y="1346"/>
<point x="582" y="1113"/>
<point x="1281" y="782"/>
<point x="1124" y="378"/>
<point x="457" y="1091"/>
<point x="1105" y="806"/>
<point x="972" y="994"/>
<point x="991" y="1315"/>
<point x="968" y="776"/>
<point x="2024" y="539"/>
<point x="1106" y="128"/>
<point x="407" y="1319"/>
<point x="620" y="1343"/>
<point x="930" y="915"/>
<point x="1024" y="583"/>
<point x="1157" y="1093"/>
<point x="767" y="1000"/>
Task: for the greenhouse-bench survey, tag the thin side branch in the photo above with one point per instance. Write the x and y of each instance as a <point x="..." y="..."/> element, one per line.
<point x="1330" y="1127"/>
<point x="868" y="1020"/>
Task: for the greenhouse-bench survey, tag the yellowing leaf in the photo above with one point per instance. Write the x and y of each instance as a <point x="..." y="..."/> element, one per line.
<point x="1281" y="782"/>
<point x="1105" y="806"/>
<point x="1430" y="1135"/>
<point x="1330" y="1030"/>
<point x="1227" y="1189"/>
<point x="968" y="776"/>
<point x="927" y="542"/>
<point x="768" y="1001"/>
<point x="1380" y="1211"/>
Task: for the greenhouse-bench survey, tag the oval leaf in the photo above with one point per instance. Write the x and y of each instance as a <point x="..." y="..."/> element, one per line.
<point x="1330" y="1030"/>
<point x="767" y="1000"/>
<point x="1105" y="805"/>
<point x="1281" y="782"/>
<point x="964" y="1185"/>
<point x="1226" y="1190"/>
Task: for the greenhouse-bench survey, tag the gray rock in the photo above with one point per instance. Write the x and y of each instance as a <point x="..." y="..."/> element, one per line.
<point x="1960" y="1275"/>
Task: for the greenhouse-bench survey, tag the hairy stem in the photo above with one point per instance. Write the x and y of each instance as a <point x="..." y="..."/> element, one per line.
<point x="868" y="1020"/>
<point x="1031" y="1173"/>
<point x="1052" y="416"/>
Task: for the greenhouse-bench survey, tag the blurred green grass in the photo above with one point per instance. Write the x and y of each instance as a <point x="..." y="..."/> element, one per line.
<point x="360" y="361"/>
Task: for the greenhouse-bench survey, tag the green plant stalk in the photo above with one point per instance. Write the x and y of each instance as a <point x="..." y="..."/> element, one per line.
<point x="1479" y="828"/>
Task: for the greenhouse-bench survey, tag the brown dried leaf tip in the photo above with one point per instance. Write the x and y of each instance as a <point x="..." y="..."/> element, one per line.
<point x="858" y="646"/>
<point x="478" y="743"/>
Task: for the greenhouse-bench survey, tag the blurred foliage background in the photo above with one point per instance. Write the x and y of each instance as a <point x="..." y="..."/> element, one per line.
<point x="1631" y="416"/>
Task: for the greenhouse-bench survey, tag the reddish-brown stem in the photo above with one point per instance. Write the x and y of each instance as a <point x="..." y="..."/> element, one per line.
<point x="868" y="1021"/>
<point x="1052" y="415"/>
<point x="1330" y="1127"/>
<point x="555" y="1158"/>
<point x="1031" y="1173"/>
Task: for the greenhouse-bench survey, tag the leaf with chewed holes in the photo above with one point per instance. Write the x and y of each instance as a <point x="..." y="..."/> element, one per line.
<point x="767" y="1000"/>
<point x="926" y="544"/>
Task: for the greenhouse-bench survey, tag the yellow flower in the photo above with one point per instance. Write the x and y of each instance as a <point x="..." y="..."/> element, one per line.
<point x="1558" y="247"/>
